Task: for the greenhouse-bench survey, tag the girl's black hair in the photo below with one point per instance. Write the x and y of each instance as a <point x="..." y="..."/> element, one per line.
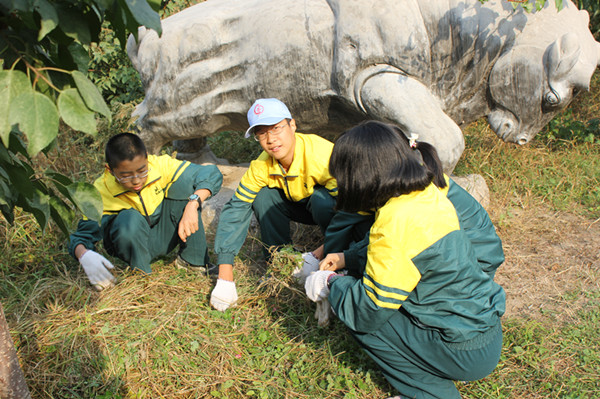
<point x="123" y="147"/>
<point x="372" y="164"/>
<point x="430" y="158"/>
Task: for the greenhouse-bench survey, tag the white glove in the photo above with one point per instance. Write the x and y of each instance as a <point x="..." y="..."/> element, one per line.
<point x="316" y="285"/>
<point x="223" y="295"/>
<point x="95" y="266"/>
<point x="311" y="264"/>
<point x="323" y="312"/>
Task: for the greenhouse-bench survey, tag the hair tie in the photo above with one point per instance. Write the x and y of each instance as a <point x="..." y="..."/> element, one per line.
<point x="412" y="140"/>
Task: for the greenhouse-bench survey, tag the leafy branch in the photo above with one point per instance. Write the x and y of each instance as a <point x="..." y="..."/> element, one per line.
<point x="528" y="5"/>
<point x="43" y="81"/>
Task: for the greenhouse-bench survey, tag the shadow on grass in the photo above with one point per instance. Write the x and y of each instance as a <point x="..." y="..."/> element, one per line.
<point x="59" y="360"/>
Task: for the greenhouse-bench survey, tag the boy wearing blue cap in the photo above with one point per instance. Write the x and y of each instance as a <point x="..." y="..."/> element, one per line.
<point x="289" y="181"/>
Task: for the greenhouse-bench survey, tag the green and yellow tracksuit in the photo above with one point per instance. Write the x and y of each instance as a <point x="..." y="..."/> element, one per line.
<point x="305" y="193"/>
<point x="138" y="227"/>
<point x="426" y="309"/>
<point x="473" y="218"/>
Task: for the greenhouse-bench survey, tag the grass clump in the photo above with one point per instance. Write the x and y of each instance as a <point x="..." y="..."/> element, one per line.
<point x="566" y="177"/>
<point x="156" y="336"/>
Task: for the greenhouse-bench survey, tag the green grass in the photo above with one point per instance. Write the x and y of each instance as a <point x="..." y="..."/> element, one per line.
<point x="567" y="177"/>
<point x="547" y="358"/>
<point x="157" y="336"/>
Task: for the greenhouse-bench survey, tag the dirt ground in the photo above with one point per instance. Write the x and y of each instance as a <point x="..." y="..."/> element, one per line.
<point x="552" y="261"/>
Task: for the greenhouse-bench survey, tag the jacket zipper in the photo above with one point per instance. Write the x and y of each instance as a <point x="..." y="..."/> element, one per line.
<point x="145" y="210"/>
<point x="287" y="187"/>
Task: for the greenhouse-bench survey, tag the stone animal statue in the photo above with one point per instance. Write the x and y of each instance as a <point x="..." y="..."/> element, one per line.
<point x="427" y="66"/>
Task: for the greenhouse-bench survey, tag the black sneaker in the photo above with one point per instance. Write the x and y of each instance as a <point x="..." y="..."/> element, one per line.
<point x="209" y="269"/>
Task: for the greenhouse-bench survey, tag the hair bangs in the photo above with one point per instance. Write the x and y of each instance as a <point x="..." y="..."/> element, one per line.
<point x="372" y="164"/>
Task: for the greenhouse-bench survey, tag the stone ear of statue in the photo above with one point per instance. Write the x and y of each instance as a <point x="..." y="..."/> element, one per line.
<point x="560" y="63"/>
<point x="563" y="54"/>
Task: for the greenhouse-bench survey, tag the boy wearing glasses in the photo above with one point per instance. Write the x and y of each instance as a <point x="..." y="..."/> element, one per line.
<point x="290" y="180"/>
<point x="151" y="205"/>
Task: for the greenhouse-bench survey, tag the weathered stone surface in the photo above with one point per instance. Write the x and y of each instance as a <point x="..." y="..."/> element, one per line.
<point x="212" y="207"/>
<point x="428" y="66"/>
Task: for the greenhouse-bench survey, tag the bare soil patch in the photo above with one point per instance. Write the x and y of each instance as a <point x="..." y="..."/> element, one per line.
<point x="552" y="261"/>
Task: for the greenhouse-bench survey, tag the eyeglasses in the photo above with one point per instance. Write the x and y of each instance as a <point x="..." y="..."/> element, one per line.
<point x="273" y="131"/>
<point x="127" y="179"/>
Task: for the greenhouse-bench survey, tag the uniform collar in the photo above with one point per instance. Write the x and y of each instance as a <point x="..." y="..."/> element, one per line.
<point x="296" y="167"/>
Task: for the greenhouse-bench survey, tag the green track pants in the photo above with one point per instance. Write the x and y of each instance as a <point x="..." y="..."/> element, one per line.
<point x="274" y="213"/>
<point x="419" y="364"/>
<point x="129" y="237"/>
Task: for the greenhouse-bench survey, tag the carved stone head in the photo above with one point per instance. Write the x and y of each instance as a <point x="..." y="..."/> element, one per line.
<point x="551" y="60"/>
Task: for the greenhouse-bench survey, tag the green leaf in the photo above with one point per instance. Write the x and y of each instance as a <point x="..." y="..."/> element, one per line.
<point x="37" y="118"/>
<point x="19" y="178"/>
<point x="75" y="113"/>
<point x="7" y="212"/>
<point x="117" y="17"/>
<point x="39" y="207"/>
<point x="155" y="4"/>
<point x="104" y="4"/>
<point x="87" y="199"/>
<point x="144" y="14"/>
<point x="60" y="178"/>
<point x="6" y="195"/>
<point x="12" y="84"/>
<point x="49" y="17"/>
<point x="6" y="158"/>
<point x="17" y="145"/>
<point x="130" y="24"/>
<point x="61" y="214"/>
<point x="74" y="25"/>
<point x="539" y="4"/>
<point x="559" y="4"/>
<point x="79" y="55"/>
<point x="17" y="5"/>
<point x="90" y="94"/>
<point x="61" y="183"/>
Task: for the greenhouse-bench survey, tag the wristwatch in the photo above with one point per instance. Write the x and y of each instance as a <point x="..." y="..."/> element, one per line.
<point x="195" y="197"/>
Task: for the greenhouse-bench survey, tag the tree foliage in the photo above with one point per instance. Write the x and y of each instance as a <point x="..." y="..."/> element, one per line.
<point x="44" y="46"/>
<point x="593" y="9"/>
<point x="530" y="5"/>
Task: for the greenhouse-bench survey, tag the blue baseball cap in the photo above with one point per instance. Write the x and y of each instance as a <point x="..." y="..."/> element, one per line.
<point x="266" y="112"/>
